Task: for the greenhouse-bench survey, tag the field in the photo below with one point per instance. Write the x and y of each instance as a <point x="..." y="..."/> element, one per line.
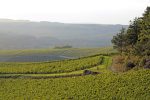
<point x="39" y="55"/>
<point x="65" y="80"/>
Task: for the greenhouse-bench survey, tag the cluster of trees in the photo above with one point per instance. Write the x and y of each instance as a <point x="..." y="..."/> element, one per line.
<point x="136" y="39"/>
<point x="63" y="47"/>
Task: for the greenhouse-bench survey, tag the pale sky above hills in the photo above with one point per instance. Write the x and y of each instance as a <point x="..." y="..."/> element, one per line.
<point x="74" y="11"/>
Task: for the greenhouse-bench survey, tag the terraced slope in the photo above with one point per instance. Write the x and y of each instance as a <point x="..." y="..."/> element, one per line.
<point x="132" y="85"/>
<point x="56" y="69"/>
<point x="50" y="67"/>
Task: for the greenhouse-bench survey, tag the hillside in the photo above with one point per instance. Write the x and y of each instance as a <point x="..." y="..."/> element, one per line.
<point x="50" y="54"/>
<point x="72" y="84"/>
<point x="74" y="50"/>
<point x="22" y="34"/>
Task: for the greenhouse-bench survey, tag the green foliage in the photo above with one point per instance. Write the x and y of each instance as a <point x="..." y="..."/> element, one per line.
<point x="50" y="67"/>
<point x="133" y="85"/>
<point x="119" y="40"/>
<point x="106" y="85"/>
<point x="132" y="32"/>
<point x="105" y="61"/>
<point x="137" y="37"/>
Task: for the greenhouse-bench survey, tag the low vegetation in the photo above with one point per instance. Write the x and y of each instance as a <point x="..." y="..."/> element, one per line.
<point x="108" y="86"/>
<point x="62" y="47"/>
<point x="50" y="67"/>
<point x="73" y="84"/>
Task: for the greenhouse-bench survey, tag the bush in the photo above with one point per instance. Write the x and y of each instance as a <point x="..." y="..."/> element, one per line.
<point x="118" y="59"/>
<point x="124" y="63"/>
<point x="118" y="64"/>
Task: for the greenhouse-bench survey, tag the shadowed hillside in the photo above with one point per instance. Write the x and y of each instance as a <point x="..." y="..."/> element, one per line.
<point x="23" y="34"/>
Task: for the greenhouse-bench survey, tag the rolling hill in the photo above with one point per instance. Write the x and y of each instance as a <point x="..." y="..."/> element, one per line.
<point x="23" y="34"/>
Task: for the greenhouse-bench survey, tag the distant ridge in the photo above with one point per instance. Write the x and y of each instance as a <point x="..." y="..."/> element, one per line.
<point x="25" y="34"/>
<point x="12" y="20"/>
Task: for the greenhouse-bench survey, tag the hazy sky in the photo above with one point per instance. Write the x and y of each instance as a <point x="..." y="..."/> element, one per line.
<point x="74" y="11"/>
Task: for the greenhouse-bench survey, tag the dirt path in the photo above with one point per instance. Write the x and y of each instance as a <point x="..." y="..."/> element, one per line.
<point x="43" y="77"/>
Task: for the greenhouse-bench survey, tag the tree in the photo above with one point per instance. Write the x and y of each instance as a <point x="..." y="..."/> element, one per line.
<point x="136" y="41"/>
<point x="143" y="43"/>
<point x="132" y="35"/>
<point x="133" y="31"/>
<point x="119" y="40"/>
<point x="137" y="38"/>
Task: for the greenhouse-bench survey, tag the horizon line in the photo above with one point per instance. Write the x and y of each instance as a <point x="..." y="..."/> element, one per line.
<point x="48" y="21"/>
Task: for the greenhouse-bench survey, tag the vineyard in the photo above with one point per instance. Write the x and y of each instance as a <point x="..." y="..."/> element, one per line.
<point x="50" y="67"/>
<point x="108" y="86"/>
<point x="65" y="80"/>
<point x="120" y="71"/>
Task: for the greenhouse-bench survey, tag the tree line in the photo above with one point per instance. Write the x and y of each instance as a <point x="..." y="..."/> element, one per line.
<point x="135" y="40"/>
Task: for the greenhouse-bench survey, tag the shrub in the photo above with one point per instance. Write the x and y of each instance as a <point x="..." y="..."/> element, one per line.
<point x="118" y="64"/>
<point x="118" y="59"/>
<point x="124" y="63"/>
